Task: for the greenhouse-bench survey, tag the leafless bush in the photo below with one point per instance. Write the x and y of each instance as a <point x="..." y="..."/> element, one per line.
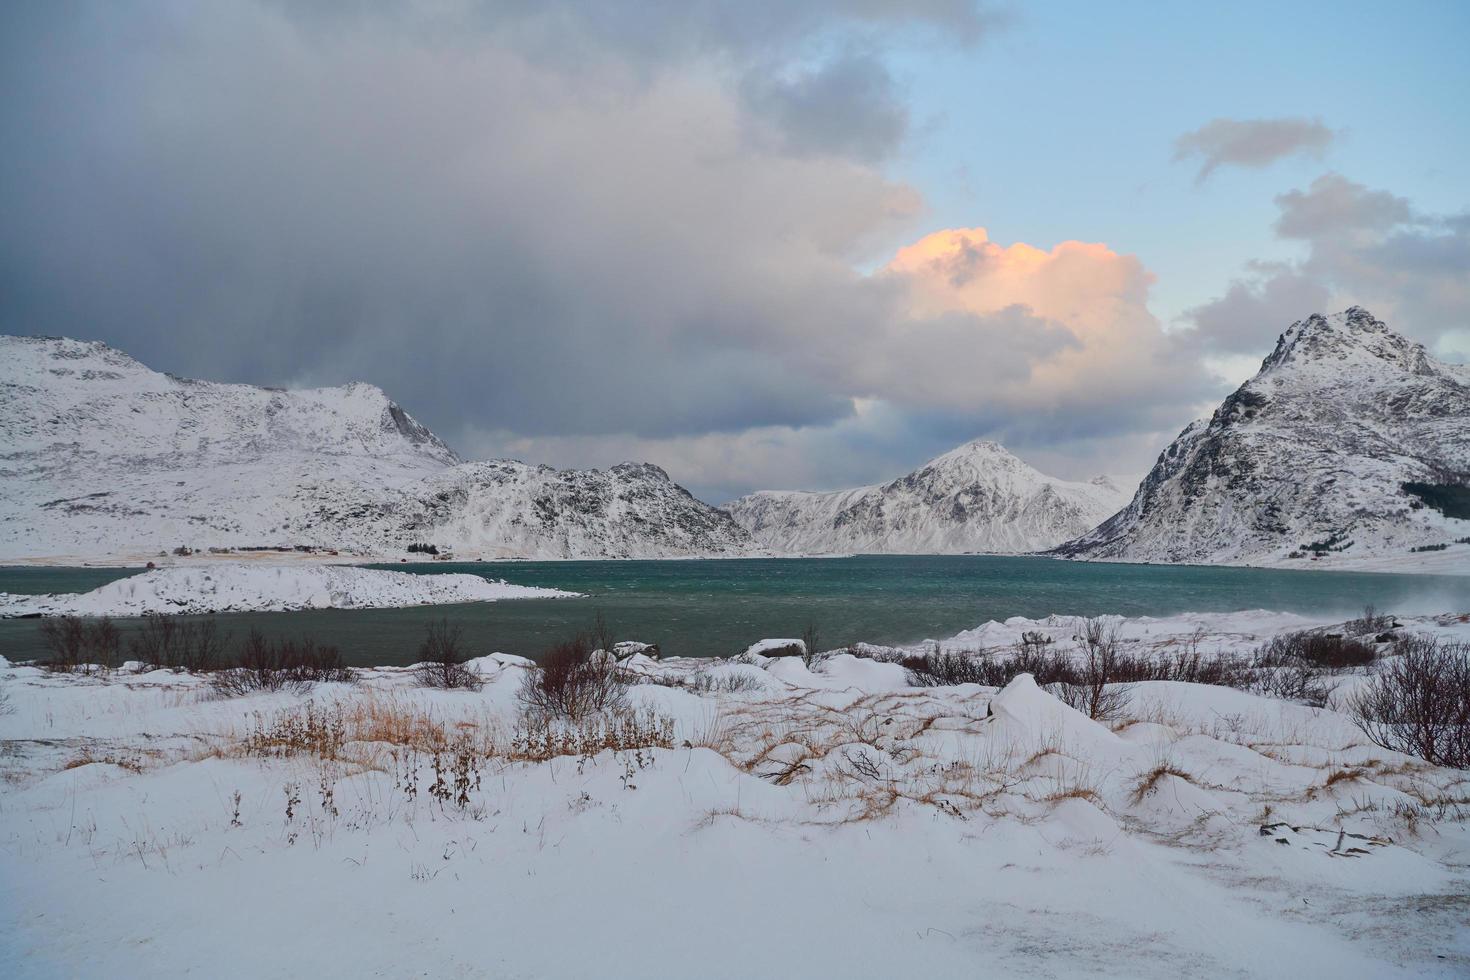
<point x="74" y="643"/>
<point x="6" y="706"/>
<point x="1287" y="678"/>
<point x="263" y="665"/>
<point x="1091" y="677"/>
<point x="601" y="635"/>
<point x="939" y="668"/>
<point x="442" y="659"/>
<point x="704" y="682"/>
<point x="1326" y="650"/>
<point x="1419" y="702"/>
<point x="570" y="682"/>
<point x="1371" y="622"/>
<point x="175" y="644"/>
<point x="1098" y="690"/>
<point x="943" y="669"/>
<point x="809" y="640"/>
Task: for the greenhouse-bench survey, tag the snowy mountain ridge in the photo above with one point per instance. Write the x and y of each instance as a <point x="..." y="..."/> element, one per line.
<point x="1351" y="444"/>
<point x="975" y="498"/>
<point x="101" y="456"/>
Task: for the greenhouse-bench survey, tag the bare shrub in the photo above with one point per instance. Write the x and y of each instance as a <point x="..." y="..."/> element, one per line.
<point x="1326" y="650"/>
<point x="1419" y="702"/>
<point x="570" y="682"/>
<point x="943" y="669"/>
<point x="6" y="705"/>
<point x="809" y="641"/>
<point x="1371" y="622"/>
<point x="939" y="668"/>
<point x="64" y="637"/>
<point x="171" y="643"/>
<point x="1098" y="691"/>
<point x="1048" y="665"/>
<point x="442" y="659"/>
<point x="73" y="643"/>
<point x="263" y="665"/>
<point x="601" y="635"/>
<point x="703" y="682"/>
<point x="1287" y="677"/>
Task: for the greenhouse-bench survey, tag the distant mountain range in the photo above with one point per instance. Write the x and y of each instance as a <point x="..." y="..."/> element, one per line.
<point x="1350" y="442"/>
<point x="976" y="498"/>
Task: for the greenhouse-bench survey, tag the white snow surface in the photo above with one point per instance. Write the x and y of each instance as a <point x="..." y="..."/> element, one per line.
<point x="974" y="498"/>
<point x="795" y="822"/>
<point x="242" y="587"/>
<point x="103" y="458"/>
<point x="1316" y="449"/>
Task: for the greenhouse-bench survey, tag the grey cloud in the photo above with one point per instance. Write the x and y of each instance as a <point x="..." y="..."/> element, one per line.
<point x="569" y="249"/>
<point x="1334" y="205"/>
<point x="1255" y="310"/>
<point x="1251" y="142"/>
<point x="847" y="106"/>
<point x="1363" y="247"/>
<point x="486" y="238"/>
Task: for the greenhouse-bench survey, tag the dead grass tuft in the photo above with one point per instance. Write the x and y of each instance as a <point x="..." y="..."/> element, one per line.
<point x="1150" y="780"/>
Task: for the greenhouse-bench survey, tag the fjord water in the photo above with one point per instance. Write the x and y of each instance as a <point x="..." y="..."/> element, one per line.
<point x="713" y="608"/>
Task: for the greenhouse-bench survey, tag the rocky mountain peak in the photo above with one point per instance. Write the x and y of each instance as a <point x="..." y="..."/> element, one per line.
<point x="976" y="497"/>
<point x="1353" y="337"/>
<point x="1350" y="444"/>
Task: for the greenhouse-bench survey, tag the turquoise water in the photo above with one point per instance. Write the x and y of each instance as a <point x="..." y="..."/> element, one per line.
<point x="711" y="608"/>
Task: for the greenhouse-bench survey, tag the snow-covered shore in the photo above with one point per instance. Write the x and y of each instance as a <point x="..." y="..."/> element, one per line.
<point x="745" y="818"/>
<point x="242" y="587"/>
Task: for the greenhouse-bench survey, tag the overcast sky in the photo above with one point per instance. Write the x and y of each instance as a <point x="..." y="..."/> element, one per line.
<point x="762" y="244"/>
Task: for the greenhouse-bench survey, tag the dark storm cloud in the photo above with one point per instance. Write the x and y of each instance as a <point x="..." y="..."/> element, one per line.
<point x="549" y="240"/>
<point x="1251" y="142"/>
<point x="571" y="232"/>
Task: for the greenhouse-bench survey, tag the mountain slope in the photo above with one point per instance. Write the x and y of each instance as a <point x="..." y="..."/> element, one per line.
<point x="977" y="497"/>
<point x="1320" y="453"/>
<point x="101" y="456"/>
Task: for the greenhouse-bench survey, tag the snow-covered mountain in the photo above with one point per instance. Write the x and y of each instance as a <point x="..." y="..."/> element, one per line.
<point x="976" y="498"/>
<point x="505" y="508"/>
<point x="1351" y="442"/>
<point x="101" y="456"/>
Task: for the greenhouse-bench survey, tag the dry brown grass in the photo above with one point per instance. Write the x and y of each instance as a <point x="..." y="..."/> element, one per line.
<point x="1150" y="780"/>
<point x="367" y="730"/>
<point x="132" y="763"/>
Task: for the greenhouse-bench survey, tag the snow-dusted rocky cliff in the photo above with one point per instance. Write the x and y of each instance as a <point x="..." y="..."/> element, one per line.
<point x="1350" y="443"/>
<point x="976" y="498"/>
<point x="101" y="456"/>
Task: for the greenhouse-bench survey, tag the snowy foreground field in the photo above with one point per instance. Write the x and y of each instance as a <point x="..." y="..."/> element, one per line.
<point x="243" y="587"/>
<point x="731" y="819"/>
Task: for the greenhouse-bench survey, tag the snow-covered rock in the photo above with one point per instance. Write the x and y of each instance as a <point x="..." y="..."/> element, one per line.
<point x="246" y="587"/>
<point x="101" y="456"/>
<point x="976" y="498"/>
<point x="1316" y="454"/>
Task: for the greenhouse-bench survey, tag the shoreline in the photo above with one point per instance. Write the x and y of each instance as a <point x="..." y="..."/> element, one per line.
<point x="1449" y="563"/>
